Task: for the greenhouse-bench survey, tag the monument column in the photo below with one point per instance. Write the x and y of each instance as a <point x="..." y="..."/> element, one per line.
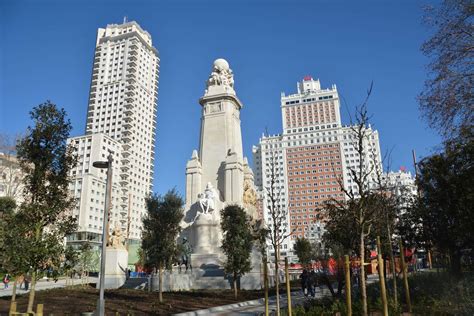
<point x="220" y="126"/>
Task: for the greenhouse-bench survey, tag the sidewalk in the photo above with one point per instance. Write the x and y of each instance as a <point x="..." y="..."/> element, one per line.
<point x="42" y="284"/>
<point x="257" y="307"/>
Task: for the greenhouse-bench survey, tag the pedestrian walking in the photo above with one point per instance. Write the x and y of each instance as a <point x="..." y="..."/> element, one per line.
<point x="304" y="281"/>
<point x="27" y="281"/>
<point x="312" y="280"/>
<point x="6" y="280"/>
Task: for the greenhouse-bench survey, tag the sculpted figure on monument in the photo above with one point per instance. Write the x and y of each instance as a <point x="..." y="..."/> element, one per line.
<point x="116" y="240"/>
<point x="250" y="196"/>
<point x="207" y="199"/>
<point x="221" y="74"/>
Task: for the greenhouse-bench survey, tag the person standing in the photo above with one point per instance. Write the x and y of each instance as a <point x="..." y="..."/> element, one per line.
<point x="6" y="280"/>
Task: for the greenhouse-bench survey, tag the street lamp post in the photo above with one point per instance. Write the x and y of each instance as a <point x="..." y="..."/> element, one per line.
<point x="108" y="193"/>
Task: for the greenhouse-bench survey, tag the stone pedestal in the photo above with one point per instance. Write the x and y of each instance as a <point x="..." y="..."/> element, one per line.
<point x="206" y="234"/>
<point x="116" y="263"/>
<point x="206" y="261"/>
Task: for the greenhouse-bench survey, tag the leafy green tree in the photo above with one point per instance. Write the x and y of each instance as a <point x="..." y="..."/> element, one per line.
<point x="444" y="213"/>
<point x="46" y="161"/>
<point x="11" y="243"/>
<point x="237" y="242"/>
<point x="304" y="250"/>
<point x="7" y="207"/>
<point x="161" y="227"/>
<point x="447" y="98"/>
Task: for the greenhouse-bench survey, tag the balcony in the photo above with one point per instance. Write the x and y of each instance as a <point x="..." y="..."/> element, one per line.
<point x="125" y="160"/>
<point x="133" y="53"/>
<point x="130" y="86"/>
<point x="132" y="64"/>
<point x="124" y="211"/>
<point x="127" y="124"/>
<point x="126" y="153"/>
<point x="124" y="168"/>
<point x="127" y="138"/>
<point x="124" y="182"/>
<point x="128" y="111"/>
<point x="129" y="99"/>
<point x="132" y="58"/>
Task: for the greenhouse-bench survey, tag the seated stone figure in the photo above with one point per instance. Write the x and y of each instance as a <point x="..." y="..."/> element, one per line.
<point x="207" y="200"/>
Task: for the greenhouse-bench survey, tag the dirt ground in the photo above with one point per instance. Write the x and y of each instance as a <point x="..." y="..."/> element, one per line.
<point x="76" y="300"/>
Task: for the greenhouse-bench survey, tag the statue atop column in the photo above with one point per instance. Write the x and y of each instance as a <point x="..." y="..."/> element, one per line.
<point x="221" y="77"/>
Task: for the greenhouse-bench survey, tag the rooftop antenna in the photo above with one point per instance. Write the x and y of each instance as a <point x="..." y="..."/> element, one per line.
<point x="124" y="19"/>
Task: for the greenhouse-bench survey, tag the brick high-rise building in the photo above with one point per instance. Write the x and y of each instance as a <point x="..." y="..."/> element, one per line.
<point x="310" y="157"/>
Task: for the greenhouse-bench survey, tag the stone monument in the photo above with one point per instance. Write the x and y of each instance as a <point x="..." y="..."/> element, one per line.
<point x="217" y="174"/>
<point x="116" y="260"/>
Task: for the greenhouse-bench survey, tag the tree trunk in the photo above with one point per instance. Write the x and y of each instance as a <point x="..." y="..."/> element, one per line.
<point x="14" y="291"/>
<point x="363" y="290"/>
<point x="392" y="264"/>
<point x="277" y="281"/>
<point x="160" y="287"/>
<point x="31" y="297"/>
<point x="235" y="285"/>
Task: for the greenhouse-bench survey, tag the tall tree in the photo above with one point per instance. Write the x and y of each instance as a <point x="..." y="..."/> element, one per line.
<point x="447" y="99"/>
<point x="236" y="242"/>
<point x="358" y="210"/>
<point x="46" y="161"/>
<point x="444" y="213"/>
<point x="161" y="227"/>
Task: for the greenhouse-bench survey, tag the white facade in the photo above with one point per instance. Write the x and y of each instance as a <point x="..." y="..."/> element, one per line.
<point x="351" y="157"/>
<point x="123" y="105"/>
<point x="88" y="186"/>
<point x="401" y="182"/>
<point x="11" y="177"/>
<point x="312" y="155"/>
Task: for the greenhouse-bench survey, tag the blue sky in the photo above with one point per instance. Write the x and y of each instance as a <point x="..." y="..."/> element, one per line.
<point x="47" y="50"/>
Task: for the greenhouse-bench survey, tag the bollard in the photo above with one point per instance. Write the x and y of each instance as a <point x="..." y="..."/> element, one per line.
<point x="347" y="270"/>
<point x="288" y="288"/>
<point x="39" y="310"/>
<point x="405" y="276"/>
<point x="12" y="308"/>
<point x="430" y="264"/>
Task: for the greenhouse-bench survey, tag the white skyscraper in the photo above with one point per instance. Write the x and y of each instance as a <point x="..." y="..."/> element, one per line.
<point x="121" y="120"/>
